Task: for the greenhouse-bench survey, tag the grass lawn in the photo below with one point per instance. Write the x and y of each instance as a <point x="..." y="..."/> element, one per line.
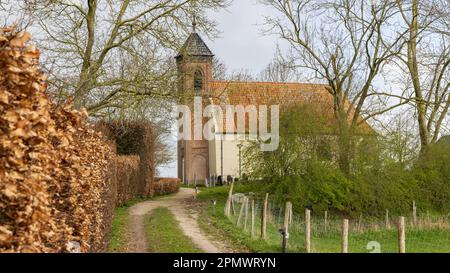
<point x="165" y="235"/>
<point x="417" y="241"/>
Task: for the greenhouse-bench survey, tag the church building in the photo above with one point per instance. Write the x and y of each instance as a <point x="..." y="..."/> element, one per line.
<point x="200" y="159"/>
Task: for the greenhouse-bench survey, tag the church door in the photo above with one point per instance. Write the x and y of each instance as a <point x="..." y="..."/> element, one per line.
<point x="199" y="168"/>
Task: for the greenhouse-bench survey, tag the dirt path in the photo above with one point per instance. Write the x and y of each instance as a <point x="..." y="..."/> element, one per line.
<point x="179" y="205"/>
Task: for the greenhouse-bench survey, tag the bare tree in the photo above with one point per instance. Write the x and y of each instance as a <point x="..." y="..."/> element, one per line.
<point x="4" y="4"/>
<point x="220" y="72"/>
<point x="280" y="70"/>
<point x="344" y="43"/>
<point x="399" y="138"/>
<point x="9" y="17"/>
<point x="242" y="75"/>
<point x="427" y="61"/>
<point x="219" y="69"/>
<point x="107" y="53"/>
<point x="115" y="58"/>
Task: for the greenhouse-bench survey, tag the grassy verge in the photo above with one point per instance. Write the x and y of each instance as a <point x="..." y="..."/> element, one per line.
<point x="417" y="241"/>
<point x="165" y="235"/>
<point x="215" y="222"/>
<point x="119" y="227"/>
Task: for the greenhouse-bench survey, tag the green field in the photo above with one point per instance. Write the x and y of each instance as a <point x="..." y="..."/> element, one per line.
<point x="417" y="241"/>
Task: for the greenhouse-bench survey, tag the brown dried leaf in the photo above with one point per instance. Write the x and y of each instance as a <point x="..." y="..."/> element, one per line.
<point x="20" y="39"/>
<point x="4" y="98"/>
<point x="14" y="69"/>
<point x="10" y="191"/>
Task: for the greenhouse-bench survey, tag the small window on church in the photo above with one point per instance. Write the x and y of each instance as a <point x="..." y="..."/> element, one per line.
<point x="198" y="81"/>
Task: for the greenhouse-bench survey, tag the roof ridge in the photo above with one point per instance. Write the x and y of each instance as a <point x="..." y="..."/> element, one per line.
<point x="265" y="82"/>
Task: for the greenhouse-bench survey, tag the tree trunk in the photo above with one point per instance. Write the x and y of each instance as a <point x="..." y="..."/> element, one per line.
<point x="86" y="69"/>
<point x="414" y="71"/>
<point x="344" y="139"/>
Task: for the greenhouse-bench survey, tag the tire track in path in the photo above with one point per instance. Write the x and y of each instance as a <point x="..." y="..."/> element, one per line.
<point x="178" y="204"/>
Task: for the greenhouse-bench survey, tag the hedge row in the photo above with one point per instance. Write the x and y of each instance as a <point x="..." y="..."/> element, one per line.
<point x="61" y="178"/>
<point x="53" y="165"/>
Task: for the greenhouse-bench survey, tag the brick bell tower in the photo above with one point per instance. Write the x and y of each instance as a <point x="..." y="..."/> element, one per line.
<point x="194" y="64"/>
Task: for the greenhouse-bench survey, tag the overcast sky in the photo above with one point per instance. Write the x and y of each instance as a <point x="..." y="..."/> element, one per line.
<point x="241" y="44"/>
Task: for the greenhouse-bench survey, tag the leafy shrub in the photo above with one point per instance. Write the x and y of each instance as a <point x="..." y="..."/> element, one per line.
<point x="320" y="185"/>
<point x="376" y="190"/>
<point x="326" y="187"/>
<point x="432" y="172"/>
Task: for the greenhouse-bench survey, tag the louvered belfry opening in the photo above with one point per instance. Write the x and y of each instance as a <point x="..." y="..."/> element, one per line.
<point x="198" y="82"/>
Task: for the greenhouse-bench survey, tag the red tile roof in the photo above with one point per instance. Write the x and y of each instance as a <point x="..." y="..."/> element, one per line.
<point x="275" y="93"/>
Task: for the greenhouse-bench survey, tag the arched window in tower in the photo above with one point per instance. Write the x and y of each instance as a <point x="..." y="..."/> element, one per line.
<point x="198" y="81"/>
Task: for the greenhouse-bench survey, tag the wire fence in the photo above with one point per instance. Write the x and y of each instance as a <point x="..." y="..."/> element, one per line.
<point x="327" y="232"/>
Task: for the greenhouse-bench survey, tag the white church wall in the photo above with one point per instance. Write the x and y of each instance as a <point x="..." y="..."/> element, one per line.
<point x="214" y="167"/>
<point x="229" y="150"/>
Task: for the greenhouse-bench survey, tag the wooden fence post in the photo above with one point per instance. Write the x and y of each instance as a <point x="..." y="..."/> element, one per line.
<point x="307" y="231"/>
<point x="287" y="210"/>
<point x="264" y="217"/>
<point x="246" y="214"/>
<point x="359" y="222"/>
<point x="345" y="236"/>
<point x="232" y="206"/>
<point x="252" y="227"/>
<point x="325" y="224"/>
<point x="388" y="224"/>
<point x="414" y="213"/>
<point x="229" y="201"/>
<point x="241" y="211"/>
<point x="401" y="235"/>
